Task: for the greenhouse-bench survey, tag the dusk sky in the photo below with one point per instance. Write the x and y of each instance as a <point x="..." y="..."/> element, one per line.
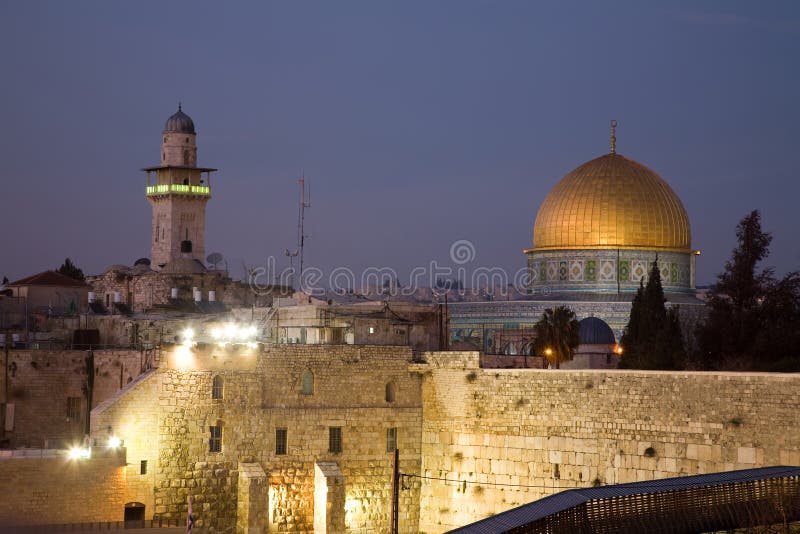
<point x="416" y="123"/>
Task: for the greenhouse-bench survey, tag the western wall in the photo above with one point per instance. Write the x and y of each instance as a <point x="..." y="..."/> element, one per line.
<point x="496" y="438"/>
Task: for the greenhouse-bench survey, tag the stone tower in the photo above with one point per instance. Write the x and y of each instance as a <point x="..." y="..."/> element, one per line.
<point x="178" y="191"/>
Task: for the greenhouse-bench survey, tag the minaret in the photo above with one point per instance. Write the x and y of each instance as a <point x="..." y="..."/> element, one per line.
<point x="178" y="193"/>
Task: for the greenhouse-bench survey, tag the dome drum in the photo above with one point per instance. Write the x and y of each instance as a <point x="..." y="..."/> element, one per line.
<point x="607" y="269"/>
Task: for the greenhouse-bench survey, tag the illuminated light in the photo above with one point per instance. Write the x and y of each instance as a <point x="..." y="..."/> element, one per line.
<point x="251" y="345"/>
<point x="114" y="442"/>
<point x="549" y="352"/>
<point x="230" y="330"/>
<point x="183" y="357"/>
<point x="177" y="188"/>
<point x="618" y="349"/>
<point x="188" y="337"/>
<point x="79" y="453"/>
<point x="216" y="333"/>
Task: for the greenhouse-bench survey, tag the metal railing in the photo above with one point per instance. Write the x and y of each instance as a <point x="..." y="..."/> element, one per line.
<point x="104" y="526"/>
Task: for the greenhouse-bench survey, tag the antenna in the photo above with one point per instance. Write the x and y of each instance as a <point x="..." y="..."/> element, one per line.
<point x="305" y="202"/>
<point x="291" y="255"/>
<point x="613" y="136"/>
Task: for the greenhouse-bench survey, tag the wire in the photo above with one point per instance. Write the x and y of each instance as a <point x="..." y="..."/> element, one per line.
<point x="482" y="483"/>
<point x="791" y="472"/>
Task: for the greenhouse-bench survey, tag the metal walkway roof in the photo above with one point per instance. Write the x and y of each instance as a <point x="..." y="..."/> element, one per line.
<point x="682" y="504"/>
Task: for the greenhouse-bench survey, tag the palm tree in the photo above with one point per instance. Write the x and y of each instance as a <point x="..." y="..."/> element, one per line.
<point x="557" y="335"/>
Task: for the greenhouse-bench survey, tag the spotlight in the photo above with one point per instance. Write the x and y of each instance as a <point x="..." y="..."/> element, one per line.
<point x="114" y="442"/>
<point x="77" y="453"/>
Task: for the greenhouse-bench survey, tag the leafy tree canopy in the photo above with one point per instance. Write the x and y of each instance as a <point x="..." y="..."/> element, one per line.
<point x="754" y="319"/>
<point x="557" y="335"/>
<point x="70" y="269"/>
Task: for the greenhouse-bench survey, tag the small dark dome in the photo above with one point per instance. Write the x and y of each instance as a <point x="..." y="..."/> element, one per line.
<point x="594" y="331"/>
<point x="180" y="122"/>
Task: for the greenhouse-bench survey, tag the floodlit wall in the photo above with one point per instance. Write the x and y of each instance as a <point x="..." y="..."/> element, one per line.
<point x="55" y="489"/>
<point x="164" y="418"/>
<point x="40" y="384"/>
<point x="503" y="437"/>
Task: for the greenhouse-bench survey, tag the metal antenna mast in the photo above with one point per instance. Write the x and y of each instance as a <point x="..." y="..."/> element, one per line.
<point x="305" y="202"/>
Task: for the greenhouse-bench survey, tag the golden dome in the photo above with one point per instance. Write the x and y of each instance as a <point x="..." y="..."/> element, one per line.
<point x="612" y="202"/>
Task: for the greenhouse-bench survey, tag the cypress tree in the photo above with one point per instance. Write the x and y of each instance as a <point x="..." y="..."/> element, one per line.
<point x="652" y="338"/>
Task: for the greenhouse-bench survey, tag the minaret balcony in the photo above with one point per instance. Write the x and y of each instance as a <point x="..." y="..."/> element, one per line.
<point x="184" y="189"/>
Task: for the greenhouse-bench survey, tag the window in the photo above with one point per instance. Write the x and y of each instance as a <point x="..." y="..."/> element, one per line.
<point x="335" y="439"/>
<point x="391" y="392"/>
<point x="391" y="439"/>
<point x="143" y="467"/>
<point x="216" y="387"/>
<point x="371" y="329"/>
<point x="215" y="439"/>
<point x="308" y="382"/>
<point x="280" y="440"/>
<point x="74" y="407"/>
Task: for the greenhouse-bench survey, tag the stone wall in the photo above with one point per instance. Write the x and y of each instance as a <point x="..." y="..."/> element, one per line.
<point x="54" y="489"/>
<point x="496" y="438"/>
<point x="41" y="382"/>
<point x="165" y="416"/>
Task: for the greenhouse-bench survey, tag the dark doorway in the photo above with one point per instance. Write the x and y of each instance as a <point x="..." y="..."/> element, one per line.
<point x="134" y="515"/>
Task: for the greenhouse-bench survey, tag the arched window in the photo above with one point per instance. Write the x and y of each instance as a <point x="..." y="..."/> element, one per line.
<point x="216" y="387"/>
<point x="391" y="392"/>
<point x="308" y="383"/>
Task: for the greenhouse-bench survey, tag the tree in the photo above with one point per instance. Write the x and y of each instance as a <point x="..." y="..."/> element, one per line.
<point x="652" y="338"/>
<point x="753" y="320"/>
<point x="557" y="335"/>
<point x="70" y="269"/>
<point x="5" y="280"/>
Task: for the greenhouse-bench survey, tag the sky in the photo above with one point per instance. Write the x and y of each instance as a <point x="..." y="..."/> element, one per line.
<point x="416" y="124"/>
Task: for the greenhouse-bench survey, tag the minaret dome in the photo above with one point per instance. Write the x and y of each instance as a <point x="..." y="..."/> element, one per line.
<point x="179" y="143"/>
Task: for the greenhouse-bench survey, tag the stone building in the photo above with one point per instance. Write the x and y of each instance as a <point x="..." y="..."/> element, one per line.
<point x="178" y="194"/>
<point x="287" y="422"/>
<point x="47" y="394"/>
<point x="594" y="238"/>
<point x="308" y="320"/>
<point x="51" y="293"/>
<point x="597" y="349"/>
<point x="176" y="274"/>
